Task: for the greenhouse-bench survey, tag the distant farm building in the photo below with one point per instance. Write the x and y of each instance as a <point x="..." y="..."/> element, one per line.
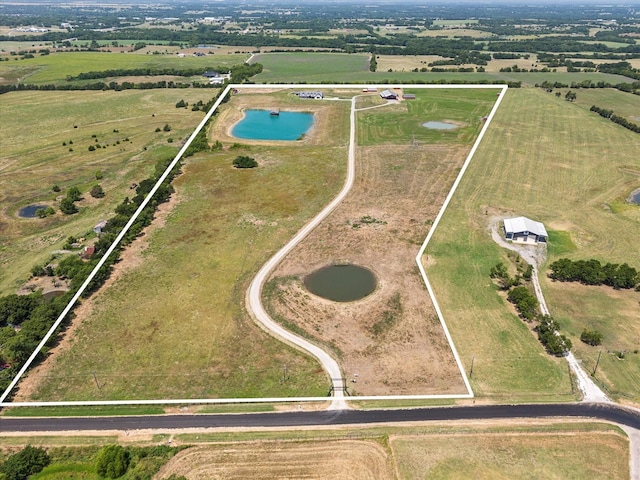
<point x="524" y="230"/>
<point x="409" y="96"/>
<point x="370" y="90"/>
<point x="100" y="226"/>
<point x="389" y="95"/>
<point x="313" y="95"/>
<point x="216" y="78"/>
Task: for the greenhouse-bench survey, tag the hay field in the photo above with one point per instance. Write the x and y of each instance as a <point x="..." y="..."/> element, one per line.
<point x="308" y="67"/>
<point x="560" y="164"/>
<point x="455" y="450"/>
<point x="180" y="306"/>
<point x="33" y="159"/>
<point x="392" y="338"/>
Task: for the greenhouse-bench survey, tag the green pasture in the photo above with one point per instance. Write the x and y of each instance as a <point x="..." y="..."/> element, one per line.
<point x="182" y="311"/>
<point x="558" y="163"/>
<point x="309" y="67"/>
<point x="402" y="124"/>
<point x="621" y="103"/>
<point x="55" y="68"/>
<point x="301" y="67"/>
<point x="34" y="159"/>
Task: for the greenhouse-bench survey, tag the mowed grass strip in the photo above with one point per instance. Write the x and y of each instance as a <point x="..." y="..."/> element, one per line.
<point x="557" y="163"/>
<point x="176" y="326"/>
<point x="308" y="67"/>
<point x="41" y="148"/>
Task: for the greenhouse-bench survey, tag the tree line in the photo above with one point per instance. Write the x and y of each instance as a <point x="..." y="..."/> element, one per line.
<point x="592" y="272"/>
<point x="605" y="113"/>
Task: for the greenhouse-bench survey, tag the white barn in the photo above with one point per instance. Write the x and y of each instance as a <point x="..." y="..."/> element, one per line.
<point x="523" y="229"/>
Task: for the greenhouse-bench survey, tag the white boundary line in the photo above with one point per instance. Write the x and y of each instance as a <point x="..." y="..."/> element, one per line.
<point x="178" y="157"/>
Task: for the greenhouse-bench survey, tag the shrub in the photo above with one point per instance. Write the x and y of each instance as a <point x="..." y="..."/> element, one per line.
<point x="524" y="300"/>
<point x="74" y="194"/>
<point x="591" y="337"/>
<point x="55" y="188"/>
<point x="68" y="207"/>
<point x="97" y="191"/>
<point x="91" y="148"/>
<point x="166" y="128"/>
<point x="29" y="461"/>
<point x="245" y="162"/>
<point x="112" y="461"/>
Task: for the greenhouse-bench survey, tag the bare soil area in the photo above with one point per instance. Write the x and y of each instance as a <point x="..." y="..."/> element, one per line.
<point x="390" y="342"/>
<point x="267" y="460"/>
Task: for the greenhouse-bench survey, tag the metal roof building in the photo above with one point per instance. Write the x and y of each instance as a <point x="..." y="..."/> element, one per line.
<point x="523" y="229"/>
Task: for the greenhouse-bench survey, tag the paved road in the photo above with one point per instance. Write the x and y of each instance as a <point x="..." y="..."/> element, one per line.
<point x="606" y="412"/>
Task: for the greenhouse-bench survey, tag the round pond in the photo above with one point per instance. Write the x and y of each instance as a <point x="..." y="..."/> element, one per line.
<point x="341" y="283"/>
<point x="635" y="197"/>
<point x="440" y="125"/>
<point x="30" y="211"/>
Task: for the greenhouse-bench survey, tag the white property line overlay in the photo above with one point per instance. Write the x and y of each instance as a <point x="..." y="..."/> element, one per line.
<point x="116" y="242"/>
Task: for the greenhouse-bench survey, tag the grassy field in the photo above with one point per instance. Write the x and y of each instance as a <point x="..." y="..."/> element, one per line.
<point x="56" y="67"/>
<point x="402" y="124"/>
<point x="328" y="68"/>
<point x="552" y="161"/>
<point x="182" y="310"/>
<point x="123" y="123"/>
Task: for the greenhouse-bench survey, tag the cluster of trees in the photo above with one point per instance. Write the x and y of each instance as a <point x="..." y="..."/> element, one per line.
<point x="527" y="305"/>
<point x="623" y="87"/>
<point x="110" y="461"/>
<point x="143" y="71"/>
<point x="591" y="337"/>
<point x="605" y="113"/>
<point x="68" y="203"/>
<point x="592" y="272"/>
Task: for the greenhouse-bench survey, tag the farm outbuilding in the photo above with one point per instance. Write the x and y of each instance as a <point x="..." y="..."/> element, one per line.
<point x="313" y="95"/>
<point x="408" y="96"/>
<point x="389" y="95"/>
<point x="524" y="230"/>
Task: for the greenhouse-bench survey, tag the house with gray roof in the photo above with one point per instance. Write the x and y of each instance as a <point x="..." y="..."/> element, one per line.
<point x="524" y="230"/>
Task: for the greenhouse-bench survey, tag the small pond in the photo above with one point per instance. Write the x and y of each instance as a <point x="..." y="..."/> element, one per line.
<point x="635" y="197"/>
<point x="440" y="125"/>
<point x="30" y="211"/>
<point x="341" y="283"/>
<point x="264" y="125"/>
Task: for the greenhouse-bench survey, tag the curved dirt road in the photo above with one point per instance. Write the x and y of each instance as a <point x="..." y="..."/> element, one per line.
<point x="254" y="293"/>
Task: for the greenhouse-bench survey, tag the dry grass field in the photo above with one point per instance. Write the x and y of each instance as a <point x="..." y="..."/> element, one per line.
<point x="406" y="63"/>
<point x="173" y="324"/>
<point x="560" y="164"/>
<point x="391" y="339"/>
<point x="452" y="451"/>
<point x="46" y="143"/>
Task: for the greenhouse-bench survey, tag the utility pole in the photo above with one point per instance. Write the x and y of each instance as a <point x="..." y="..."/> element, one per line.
<point x="597" y="363"/>
<point x="95" y="379"/>
<point x="471" y="370"/>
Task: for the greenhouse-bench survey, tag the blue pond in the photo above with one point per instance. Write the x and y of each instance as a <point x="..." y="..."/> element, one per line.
<point x="635" y="198"/>
<point x="262" y="125"/>
<point x="30" y="211"/>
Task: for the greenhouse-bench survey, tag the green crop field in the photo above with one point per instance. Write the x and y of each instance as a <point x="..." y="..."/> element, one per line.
<point x="309" y="67"/>
<point x="46" y="143"/>
<point x="402" y="124"/>
<point x="56" y="67"/>
<point x="558" y="163"/>
<point x="182" y="310"/>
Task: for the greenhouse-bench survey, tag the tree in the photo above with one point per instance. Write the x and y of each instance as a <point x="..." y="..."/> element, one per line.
<point x="74" y="194"/>
<point x="68" y="207"/>
<point x="244" y="161"/>
<point x="97" y="191"/>
<point x="28" y="461"/>
<point x="591" y="337"/>
<point x="112" y="461"/>
<point x="166" y="128"/>
<point x="570" y="96"/>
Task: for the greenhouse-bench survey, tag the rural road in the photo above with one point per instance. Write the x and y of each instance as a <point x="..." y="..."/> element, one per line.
<point x="605" y="412"/>
<point x="254" y="293"/>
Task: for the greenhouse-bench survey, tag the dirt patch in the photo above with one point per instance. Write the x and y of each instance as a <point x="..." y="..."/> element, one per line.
<point x="130" y="258"/>
<point x="334" y="459"/>
<point x="390" y="342"/>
